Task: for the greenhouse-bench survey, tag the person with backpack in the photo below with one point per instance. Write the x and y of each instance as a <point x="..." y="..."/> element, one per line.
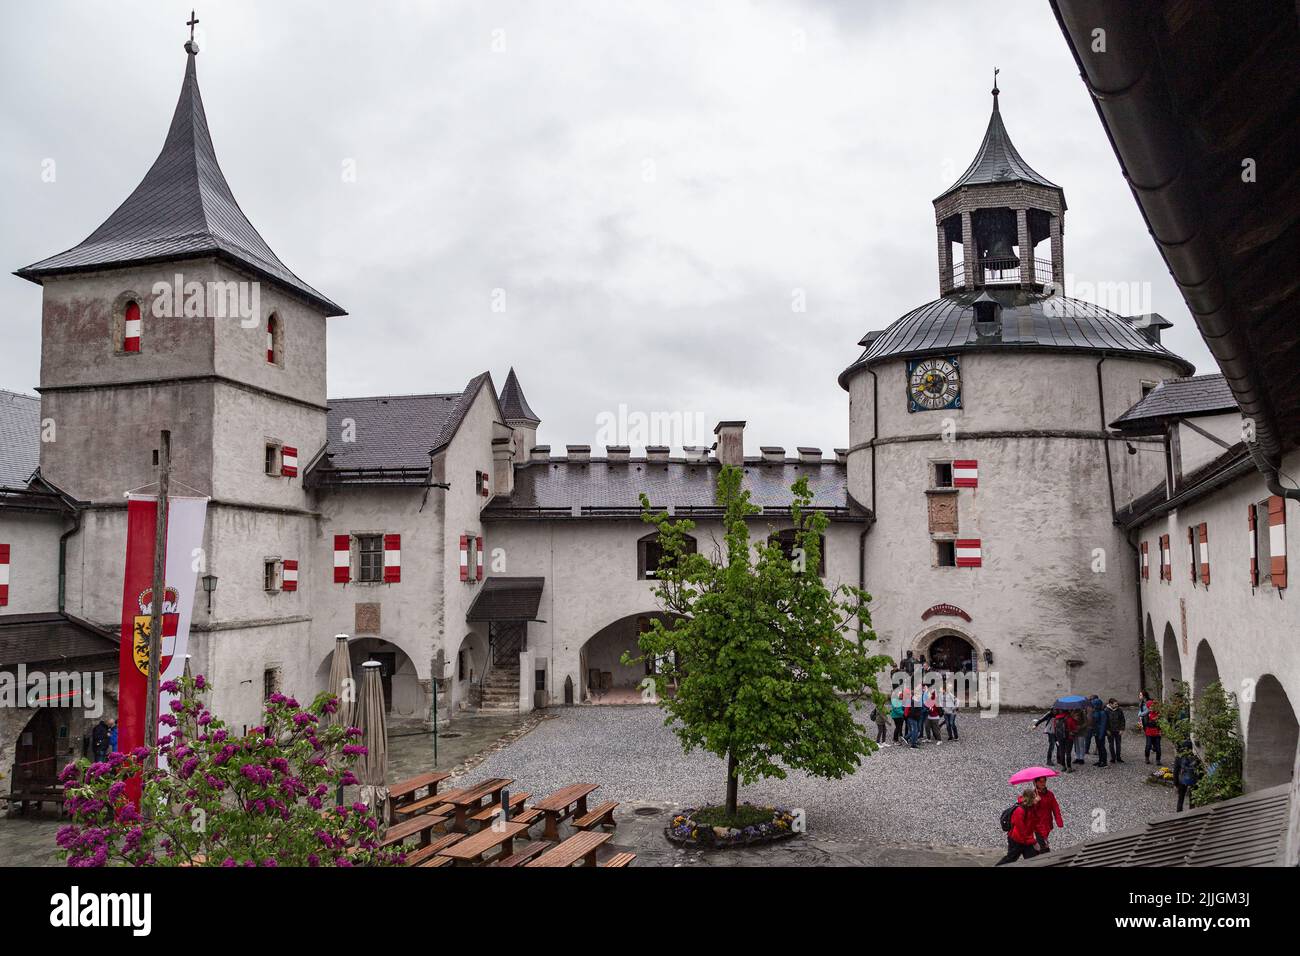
<point x="933" y="717"/>
<point x="1083" y="733"/>
<point x="915" y="714"/>
<point x="1187" y="772"/>
<point x="1065" y="729"/>
<point x="1115" y="724"/>
<point x="1151" y="728"/>
<point x="1018" y="822"/>
<point x="878" y="716"/>
<point x="1046" y="810"/>
<point x="898" y="713"/>
<point x="1048" y="718"/>
<point x="1098" y="730"/>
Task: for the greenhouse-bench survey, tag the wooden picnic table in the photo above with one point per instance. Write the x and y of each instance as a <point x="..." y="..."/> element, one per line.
<point x="580" y="846"/>
<point x="559" y="806"/>
<point x="470" y="800"/>
<point x="407" y="791"/>
<point x="469" y="851"/>
<point x="422" y="824"/>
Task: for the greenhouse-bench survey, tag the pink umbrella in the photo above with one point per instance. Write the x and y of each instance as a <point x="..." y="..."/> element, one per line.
<point x="1030" y="774"/>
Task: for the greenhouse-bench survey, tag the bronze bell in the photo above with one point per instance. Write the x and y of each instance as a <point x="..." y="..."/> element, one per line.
<point x="1002" y="241"/>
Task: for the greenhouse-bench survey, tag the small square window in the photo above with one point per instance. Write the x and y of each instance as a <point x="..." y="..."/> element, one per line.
<point x="945" y="554"/>
<point x="273" y="459"/>
<point x="270" y="682"/>
<point x="370" y="558"/>
<point x="271" y="575"/>
<point x="942" y="474"/>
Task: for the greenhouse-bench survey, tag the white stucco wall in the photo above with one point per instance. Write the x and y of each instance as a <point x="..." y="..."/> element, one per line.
<point x="33" y="540"/>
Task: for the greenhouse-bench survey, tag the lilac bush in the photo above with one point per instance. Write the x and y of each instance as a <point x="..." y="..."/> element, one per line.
<point x="261" y="799"/>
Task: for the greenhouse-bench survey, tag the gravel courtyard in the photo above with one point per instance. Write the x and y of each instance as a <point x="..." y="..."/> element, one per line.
<point x="940" y="796"/>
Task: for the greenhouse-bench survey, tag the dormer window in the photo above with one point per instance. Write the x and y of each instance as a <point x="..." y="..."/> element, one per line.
<point x="274" y="340"/>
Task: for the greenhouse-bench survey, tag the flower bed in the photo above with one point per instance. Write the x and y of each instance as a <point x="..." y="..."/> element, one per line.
<point x="1161" y="776"/>
<point x="686" y="829"/>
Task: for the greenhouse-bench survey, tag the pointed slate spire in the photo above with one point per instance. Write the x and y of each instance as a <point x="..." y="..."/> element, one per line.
<point x="182" y="209"/>
<point x="514" y="407"/>
<point x="997" y="160"/>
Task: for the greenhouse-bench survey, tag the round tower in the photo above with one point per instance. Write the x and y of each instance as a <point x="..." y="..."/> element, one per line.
<point x="978" y="438"/>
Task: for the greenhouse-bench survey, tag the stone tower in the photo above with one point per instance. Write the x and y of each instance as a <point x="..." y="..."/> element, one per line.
<point x="979" y="440"/>
<point x="175" y="314"/>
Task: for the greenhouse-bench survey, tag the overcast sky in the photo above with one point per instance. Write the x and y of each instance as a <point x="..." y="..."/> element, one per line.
<point x="649" y="183"/>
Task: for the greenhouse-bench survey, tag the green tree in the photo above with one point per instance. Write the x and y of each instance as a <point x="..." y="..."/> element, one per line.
<point x="757" y="660"/>
<point x="1216" y="729"/>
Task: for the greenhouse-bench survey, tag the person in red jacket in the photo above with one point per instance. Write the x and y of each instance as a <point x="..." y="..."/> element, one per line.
<point x="1022" y="836"/>
<point x="1045" y="811"/>
<point x="1151" y="727"/>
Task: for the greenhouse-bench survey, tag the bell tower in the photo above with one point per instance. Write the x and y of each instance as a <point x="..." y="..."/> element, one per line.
<point x="991" y="221"/>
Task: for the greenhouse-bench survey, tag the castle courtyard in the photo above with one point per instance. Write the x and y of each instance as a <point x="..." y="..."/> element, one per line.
<point x="935" y="806"/>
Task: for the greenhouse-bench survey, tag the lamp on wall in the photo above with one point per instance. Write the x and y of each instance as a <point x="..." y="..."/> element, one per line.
<point x="988" y="657"/>
<point x="209" y="585"/>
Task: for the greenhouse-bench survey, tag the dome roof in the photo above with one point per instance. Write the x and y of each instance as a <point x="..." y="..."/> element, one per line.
<point x="1026" y="320"/>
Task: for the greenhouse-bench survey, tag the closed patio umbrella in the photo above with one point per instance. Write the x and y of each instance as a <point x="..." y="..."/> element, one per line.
<point x="341" y="685"/>
<point x="372" y="767"/>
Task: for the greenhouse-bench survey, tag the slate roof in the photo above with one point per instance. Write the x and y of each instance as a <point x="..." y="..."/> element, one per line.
<point x="20" y="438"/>
<point x="514" y="406"/>
<point x="1181" y="398"/>
<point x="396" y="431"/>
<point x="997" y="160"/>
<point x="182" y="209"/>
<point x="506" y="599"/>
<point x="44" y="638"/>
<point x="1027" y="320"/>
<point x="1243" y="831"/>
<point x="600" y="488"/>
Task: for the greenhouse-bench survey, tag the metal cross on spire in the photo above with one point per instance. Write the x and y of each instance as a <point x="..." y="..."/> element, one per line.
<point x="191" y="23"/>
<point x="996" y="71"/>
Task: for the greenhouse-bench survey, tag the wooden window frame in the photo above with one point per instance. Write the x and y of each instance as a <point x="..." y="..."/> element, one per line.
<point x="375" y="555"/>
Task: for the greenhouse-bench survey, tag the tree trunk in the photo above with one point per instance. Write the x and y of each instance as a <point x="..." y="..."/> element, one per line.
<point x="733" y="785"/>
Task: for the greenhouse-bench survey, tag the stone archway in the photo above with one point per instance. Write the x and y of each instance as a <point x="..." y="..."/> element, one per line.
<point x="949" y="639"/>
<point x="1271" y="737"/>
<point x="1205" y="671"/>
<point x="603" y="675"/>
<point x="1171" y="664"/>
<point x="404" y="693"/>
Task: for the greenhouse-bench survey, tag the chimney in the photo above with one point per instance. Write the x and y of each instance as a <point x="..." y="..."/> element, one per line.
<point x="540" y="453"/>
<point x="696" y="453"/>
<point x="731" y="443"/>
<point x="773" y="454"/>
<point x="842" y="456"/>
<point x="617" y="453"/>
<point x="810" y="456"/>
<point x="579" y="453"/>
<point x="658" y="453"/>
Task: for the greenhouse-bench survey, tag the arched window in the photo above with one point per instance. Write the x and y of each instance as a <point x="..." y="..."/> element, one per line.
<point x="274" y="340"/>
<point x="128" y="327"/>
<point x="788" y="540"/>
<point x="649" y="554"/>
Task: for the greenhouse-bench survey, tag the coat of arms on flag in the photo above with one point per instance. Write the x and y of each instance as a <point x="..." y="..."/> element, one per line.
<point x="142" y="624"/>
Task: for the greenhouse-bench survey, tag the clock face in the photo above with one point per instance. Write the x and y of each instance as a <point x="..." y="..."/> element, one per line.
<point x="933" y="383"/>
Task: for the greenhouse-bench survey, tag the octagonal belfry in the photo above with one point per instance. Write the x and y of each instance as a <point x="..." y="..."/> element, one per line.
<point x="997" y="213"/>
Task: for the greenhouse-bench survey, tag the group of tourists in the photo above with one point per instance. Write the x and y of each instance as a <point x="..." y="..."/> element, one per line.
<point x="918" y="712"/>
<point x="1029" y="822"/>
<point x="1073" y="730"/>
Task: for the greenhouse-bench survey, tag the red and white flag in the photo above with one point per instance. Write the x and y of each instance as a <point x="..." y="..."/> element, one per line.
<point x="185" y="519"/>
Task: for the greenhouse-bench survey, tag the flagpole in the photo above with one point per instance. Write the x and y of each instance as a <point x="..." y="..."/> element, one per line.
<point x="159" y="591"/>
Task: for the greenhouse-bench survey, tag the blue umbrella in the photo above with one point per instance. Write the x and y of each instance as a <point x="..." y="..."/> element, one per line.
<point x="1073" y="702"/>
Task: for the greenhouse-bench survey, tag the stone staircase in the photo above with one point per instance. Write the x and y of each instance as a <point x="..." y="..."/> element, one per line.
<point x="501" y="689"/>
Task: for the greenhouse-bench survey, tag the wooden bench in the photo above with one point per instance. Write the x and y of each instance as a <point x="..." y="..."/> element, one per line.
<point x="470" y="800"/>
<point x="527" y="817"/>
<point x="39" y="796"/>
<point x="423" y="825"/>
<point x="425" y="852"/>
<point x="602" y="816"/>
<point x="434" y="803"/>
<point x="580" y="846"/>
<point x="488" y="813"/>
<point x="406" y="790"/>
<point x="437" y="861"/>
<point x="470" y="851"/>
<point x="524" y="855"/>
<point x="560" y="805"/>
<point x="619" y="859"/>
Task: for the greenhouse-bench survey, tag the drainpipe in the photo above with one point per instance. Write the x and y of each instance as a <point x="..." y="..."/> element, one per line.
<point x="1101" y="405"/>
<point x="866" y="529"/>
<point x="1131" y="538"/>
<point x="63" y="558"/>
<point x="1269" y="470"/>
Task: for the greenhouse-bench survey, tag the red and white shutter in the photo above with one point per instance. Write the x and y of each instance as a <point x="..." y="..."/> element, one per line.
<point x="4" y="574"/>
<point x="478" y="558"/>
<point x="1146" y="562"/>
<point x="132" y="328"/>
<point x="1166" y="559"/>
<point x="342" y="558"/>
<point x="464" y="557"/>
<point x="965" y="473"/>
<point x="270" y="346"/>
<point x="1277" y="539"/>
<point x="392" y="558"/>
<point x="289" y="578"/>
<point x="485" y="483"/>
<point x="1203" y="536"/>
<point x="1191" y="551"/>
<point x="968" y="553"/>
<point x="1253" y="534"/>
<point x="289" y="461"/>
